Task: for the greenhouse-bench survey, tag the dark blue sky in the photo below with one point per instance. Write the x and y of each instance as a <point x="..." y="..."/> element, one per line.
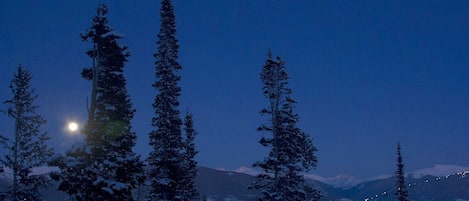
<point x="366" y="74"/>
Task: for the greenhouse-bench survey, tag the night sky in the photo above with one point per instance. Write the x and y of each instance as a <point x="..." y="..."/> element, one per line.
<point x="366" y="74"/>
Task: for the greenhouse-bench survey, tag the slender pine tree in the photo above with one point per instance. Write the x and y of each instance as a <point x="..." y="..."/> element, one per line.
<point x="190" y="165"/>
<point x="292" y="151"/>
<point x="28" y="148"/>
<point x="104" y="167"/>
<point x="166" y="158"/>
<point x="401" y="190"/>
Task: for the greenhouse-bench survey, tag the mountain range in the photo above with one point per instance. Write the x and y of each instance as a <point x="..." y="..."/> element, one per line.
<point x="439" y="183"/>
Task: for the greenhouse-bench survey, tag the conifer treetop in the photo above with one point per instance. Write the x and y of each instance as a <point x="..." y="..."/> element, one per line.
<point x="401" y="190"/>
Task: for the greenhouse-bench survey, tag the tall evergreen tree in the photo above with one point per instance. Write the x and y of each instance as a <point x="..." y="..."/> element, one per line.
<point x="190" y="165"/>
<point x="27" y="149"/>
<point x="166" y="158"/>
<point x="104" y="167"/>
<point x="401" y="190"/>
<point x="292" y="151"/>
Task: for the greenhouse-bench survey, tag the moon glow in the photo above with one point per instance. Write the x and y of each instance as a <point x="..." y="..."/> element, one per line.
<point x="72" y="126"/>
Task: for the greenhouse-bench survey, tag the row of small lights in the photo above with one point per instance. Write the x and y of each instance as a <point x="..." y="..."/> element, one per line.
<point x="459" y="174"/>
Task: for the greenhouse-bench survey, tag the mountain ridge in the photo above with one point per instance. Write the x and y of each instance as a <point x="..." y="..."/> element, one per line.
<point x="222" y="185"/>
<point x="345" y="180"/>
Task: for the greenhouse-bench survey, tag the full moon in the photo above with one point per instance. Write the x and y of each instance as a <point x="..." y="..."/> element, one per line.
<point x="72" y="126"/>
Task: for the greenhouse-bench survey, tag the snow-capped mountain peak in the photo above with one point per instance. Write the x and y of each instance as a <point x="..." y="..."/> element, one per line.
<point x="437" y="171"/>
<point x="247" y="170"/>
<point x="339" y="181"/>
<point x="346" y="181"/>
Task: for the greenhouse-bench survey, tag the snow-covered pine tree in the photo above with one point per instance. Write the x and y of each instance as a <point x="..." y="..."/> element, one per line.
<point x="105" y="165"/>
<point x="190" y="165"/>
<point x="292" y="151"/>
<point x="401" y="189"/>
<point x="27" y="148"/>
<point x="166" y="158"/>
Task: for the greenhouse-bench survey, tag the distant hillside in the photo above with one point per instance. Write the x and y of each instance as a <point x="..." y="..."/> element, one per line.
<point x="221" y="185"/>
<point x="232" y="186"/>
<point x="426" y="188"/>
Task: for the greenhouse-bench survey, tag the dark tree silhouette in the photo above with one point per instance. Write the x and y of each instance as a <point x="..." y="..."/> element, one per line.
<point x="167" y="159"/>
<point x="28" y="148"/>
<point x="292" y="151"/>
<point x="104" y="167"/>
<point x="401" y="190"/>
<point x="190" y="165"/>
